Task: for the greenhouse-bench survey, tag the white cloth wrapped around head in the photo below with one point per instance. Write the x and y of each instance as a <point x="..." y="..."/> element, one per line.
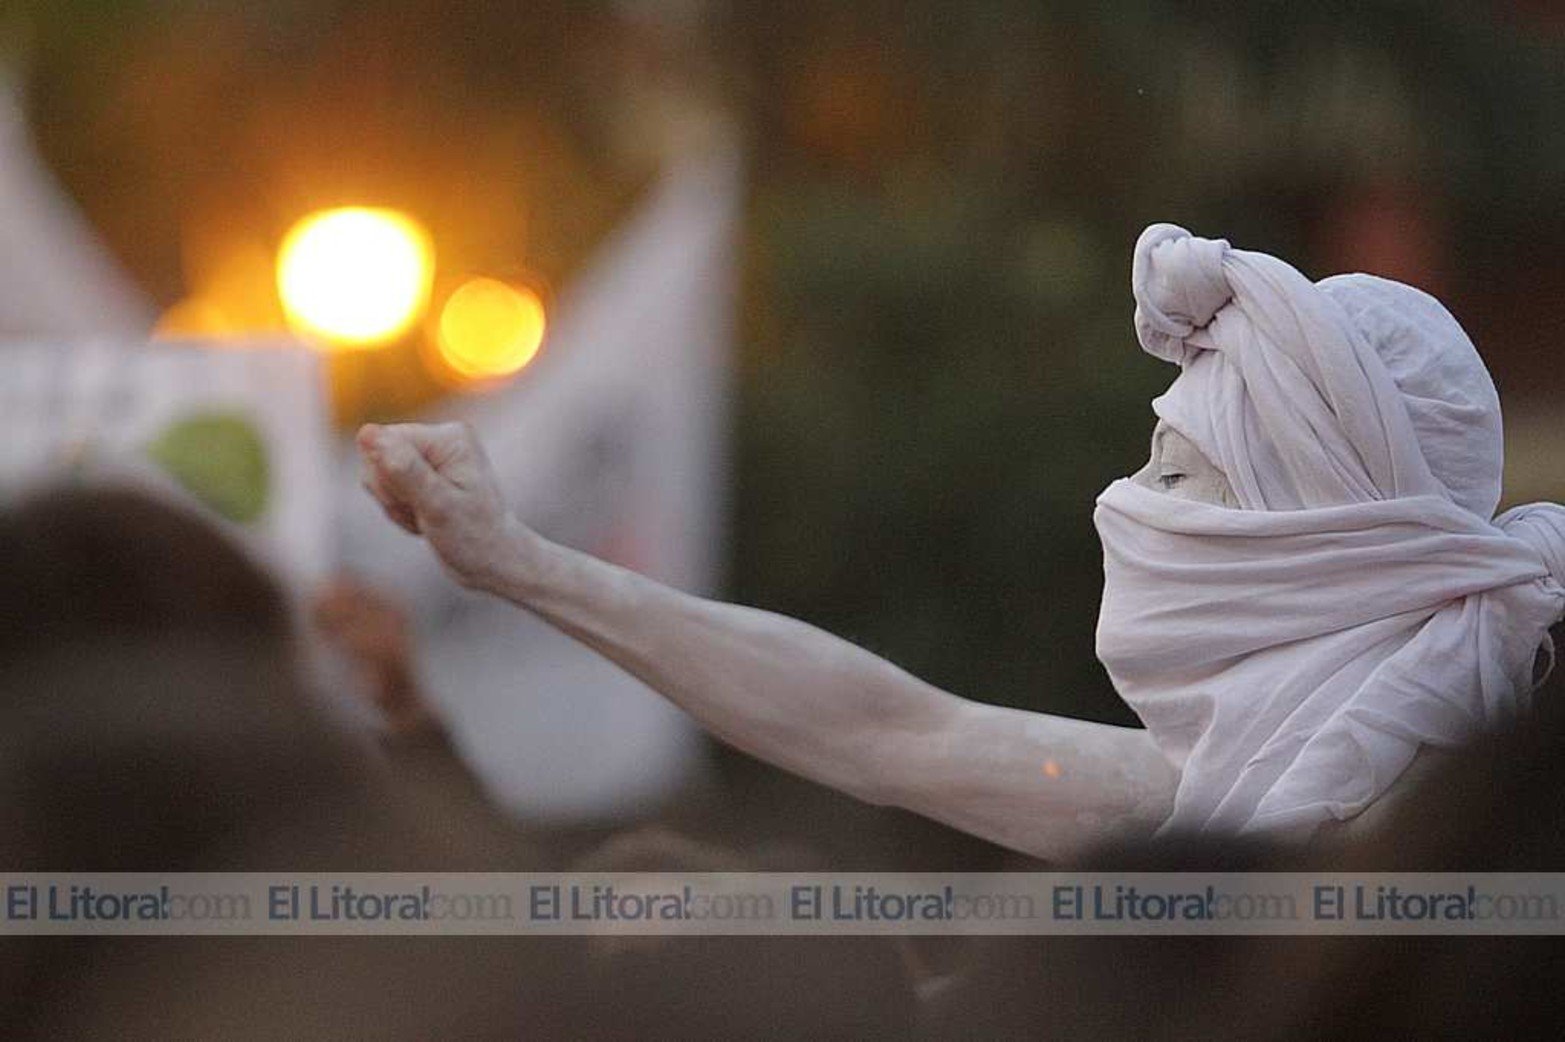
<point x="1292" y="655"/>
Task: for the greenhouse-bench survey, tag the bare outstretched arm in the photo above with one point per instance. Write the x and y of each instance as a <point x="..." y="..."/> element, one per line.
<point x="776" y="687"/>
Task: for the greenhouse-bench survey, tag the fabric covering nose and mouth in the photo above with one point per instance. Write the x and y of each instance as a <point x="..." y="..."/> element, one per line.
<point x="1291" y="656"/>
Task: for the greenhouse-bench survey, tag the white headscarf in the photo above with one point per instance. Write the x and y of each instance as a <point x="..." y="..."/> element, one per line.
<point x="1291" y="656"/>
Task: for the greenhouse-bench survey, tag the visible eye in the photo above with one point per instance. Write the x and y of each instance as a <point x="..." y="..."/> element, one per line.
<point x="1170" y="480"/>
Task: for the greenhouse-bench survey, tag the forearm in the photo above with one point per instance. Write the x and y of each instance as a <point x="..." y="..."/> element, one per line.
<point x="773" y="686"/>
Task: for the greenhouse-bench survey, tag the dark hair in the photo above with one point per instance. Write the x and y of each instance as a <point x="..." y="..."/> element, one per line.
<point x="153" y="718"/>
<point x="101" y="562"/>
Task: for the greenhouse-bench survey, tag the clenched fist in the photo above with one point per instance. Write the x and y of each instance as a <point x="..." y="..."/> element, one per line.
<point x="435" y="481"/>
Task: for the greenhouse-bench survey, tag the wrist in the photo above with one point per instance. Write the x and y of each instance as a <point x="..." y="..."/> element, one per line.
<point x="515" y="572"/>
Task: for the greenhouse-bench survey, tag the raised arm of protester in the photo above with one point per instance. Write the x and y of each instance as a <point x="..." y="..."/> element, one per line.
<point x="775" y="687"/>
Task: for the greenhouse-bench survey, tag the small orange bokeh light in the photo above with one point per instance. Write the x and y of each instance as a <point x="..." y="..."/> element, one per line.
<point x="489" y="329"/>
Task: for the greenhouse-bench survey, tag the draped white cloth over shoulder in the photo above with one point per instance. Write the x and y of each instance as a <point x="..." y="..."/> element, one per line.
<point x="1291" y="656"/>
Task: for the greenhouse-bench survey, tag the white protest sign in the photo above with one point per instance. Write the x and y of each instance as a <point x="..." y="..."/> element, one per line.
<point x="240" y="431"/>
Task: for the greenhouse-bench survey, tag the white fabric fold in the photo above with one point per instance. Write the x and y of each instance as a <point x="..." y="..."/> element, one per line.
<point x="1291" y="656"/>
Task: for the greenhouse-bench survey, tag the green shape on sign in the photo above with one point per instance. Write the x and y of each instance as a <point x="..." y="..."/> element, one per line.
<point x="220" y="458"/>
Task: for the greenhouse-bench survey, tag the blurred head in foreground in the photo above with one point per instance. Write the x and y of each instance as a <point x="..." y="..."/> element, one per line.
<point x="729" y="987"/>
<point x="153" y="718"/>
<point x="151" y="689"/>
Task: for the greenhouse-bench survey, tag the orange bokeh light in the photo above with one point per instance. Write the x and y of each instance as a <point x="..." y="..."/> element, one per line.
<point x="490" y="329"/>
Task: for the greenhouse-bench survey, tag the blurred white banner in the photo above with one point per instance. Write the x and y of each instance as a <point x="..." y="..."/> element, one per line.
<point x="56" y="280"/>
<point x="613" y="441"/>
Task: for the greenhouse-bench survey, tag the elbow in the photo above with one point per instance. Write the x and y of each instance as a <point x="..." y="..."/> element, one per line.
<point x="879" y="764"/>
<point x="899" y="764"/>
<point x="888" y="745"/>
<point x="874" y="777"/>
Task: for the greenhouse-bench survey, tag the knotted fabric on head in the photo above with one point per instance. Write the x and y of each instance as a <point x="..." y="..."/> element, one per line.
<point x="1291" y="656"/>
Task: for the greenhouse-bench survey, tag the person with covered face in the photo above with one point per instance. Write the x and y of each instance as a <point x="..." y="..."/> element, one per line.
<point x="1305" y="587"/>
